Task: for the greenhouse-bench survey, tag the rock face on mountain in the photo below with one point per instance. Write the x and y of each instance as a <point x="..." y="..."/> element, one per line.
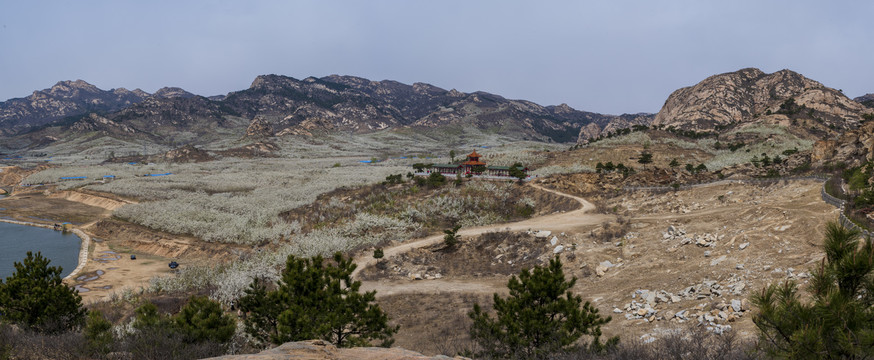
<point x="177" y="119"/>
<point x="66" y="98"/>
<point x="853" y="147"/>
<point x="97" y="123"/>
<point x="749" y="94"/>
<point x="624" y="121"/>
<point x="259" y="128"/>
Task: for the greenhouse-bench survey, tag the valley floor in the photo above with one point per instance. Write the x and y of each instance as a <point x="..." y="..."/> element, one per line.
<point x="647" y="259"/>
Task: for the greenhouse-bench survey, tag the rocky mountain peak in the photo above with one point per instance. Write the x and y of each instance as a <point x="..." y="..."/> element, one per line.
<point x="66" y="98"/>
<point x="172" y="92"/>
<point x="455" y="93"/>
<point x="69" y="89"/>
<point x="272" y="81"/>
<point x="563" y="109"/>
<point x="749" y="94"/>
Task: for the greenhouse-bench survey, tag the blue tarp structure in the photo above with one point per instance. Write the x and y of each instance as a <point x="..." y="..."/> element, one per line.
<point x="165" y="174"/>
<point x="73" y="177"/>
<point x="365" y="161"/>
<point x="131" y="163"/>
<point x="109" y="176"/>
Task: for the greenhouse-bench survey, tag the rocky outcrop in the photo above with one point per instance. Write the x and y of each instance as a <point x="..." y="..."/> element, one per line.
<point x="321" y="350"/>
<point x="187" y="154"/>
<point x="749" y="94"/>
<point x="823" y="150"/>
<point x="66" y="98"/>
<point x="624" y="121"/>
<point x="178" y="119"/>
<point x="96" y="123"/>
<point x="259" y="127"/>
<point x="853" y="147"/>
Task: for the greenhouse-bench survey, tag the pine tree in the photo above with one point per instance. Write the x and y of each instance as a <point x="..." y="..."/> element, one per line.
<point x="262" y="310"/>
<point x="36" y="298"/>
<point x="838" y="322"/>
<point x="451" y="238"/>
<point x="98" y="333"/>
<point x="202" y="319"/>
<point x="317" y="300"/>
<point x="645" y="158"/>
<point x="517" y="171"/>
<point x="541" y="316"/>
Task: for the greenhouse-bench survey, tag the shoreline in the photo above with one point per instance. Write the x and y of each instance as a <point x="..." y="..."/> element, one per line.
<point x="84" y="244"/>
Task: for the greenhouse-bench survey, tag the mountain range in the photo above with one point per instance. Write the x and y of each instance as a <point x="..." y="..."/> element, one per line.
<point x="276" y="105"/>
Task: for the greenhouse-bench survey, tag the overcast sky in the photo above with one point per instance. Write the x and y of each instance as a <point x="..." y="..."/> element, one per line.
<point x="609" y="56"/>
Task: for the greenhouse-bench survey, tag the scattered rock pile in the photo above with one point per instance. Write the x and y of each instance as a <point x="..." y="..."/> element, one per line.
<point x="715" y="314"/>
<point x="703" y="240"/>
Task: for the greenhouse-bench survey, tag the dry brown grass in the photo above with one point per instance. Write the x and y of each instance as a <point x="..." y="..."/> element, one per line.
<point x="433" y="324"/>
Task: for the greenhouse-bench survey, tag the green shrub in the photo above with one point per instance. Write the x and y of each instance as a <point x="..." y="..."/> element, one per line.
<point x="98" y="333"/>
<point x="541" y="316"/>
<point x="436" y="179"/>
<point x="35" y="298"/>
<point x="202" y="319"/>
<point x="316" y="300"/>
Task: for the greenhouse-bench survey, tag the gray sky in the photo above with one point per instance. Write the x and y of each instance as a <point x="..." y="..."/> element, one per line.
<point x="609" y="56"/>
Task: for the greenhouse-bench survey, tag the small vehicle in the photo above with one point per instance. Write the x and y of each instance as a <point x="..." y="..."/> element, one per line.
<point x="133" y="257"/>
<point x="174" y="264"/>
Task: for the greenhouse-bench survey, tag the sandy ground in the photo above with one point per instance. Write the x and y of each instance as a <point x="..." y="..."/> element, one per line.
<point x="111" y="269"/>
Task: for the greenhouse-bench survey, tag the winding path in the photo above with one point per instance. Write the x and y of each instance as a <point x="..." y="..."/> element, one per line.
<point x="554" y="222"/>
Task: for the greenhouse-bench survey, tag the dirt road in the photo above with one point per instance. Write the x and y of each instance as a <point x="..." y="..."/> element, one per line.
<point x="554" y="222"/>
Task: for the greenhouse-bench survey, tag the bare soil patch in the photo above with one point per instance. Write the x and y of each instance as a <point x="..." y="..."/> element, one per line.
<point x="39" y="208"/>
<point x="489" y="254"/>
<point x="142" y="239"/>
<point x="110" y="269"/>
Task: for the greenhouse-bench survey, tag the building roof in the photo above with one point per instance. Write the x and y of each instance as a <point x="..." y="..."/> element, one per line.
<point x="473" y="163"/>
<point x="474" y="154"/>
<point x="445" y="166"/>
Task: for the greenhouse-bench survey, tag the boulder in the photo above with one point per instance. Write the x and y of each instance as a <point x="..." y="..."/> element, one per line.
<point x="736" y="305"/>
<point x="322" y="350"/>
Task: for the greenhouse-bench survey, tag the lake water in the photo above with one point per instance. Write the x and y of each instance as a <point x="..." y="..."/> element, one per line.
<point x="16" y="240"/>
